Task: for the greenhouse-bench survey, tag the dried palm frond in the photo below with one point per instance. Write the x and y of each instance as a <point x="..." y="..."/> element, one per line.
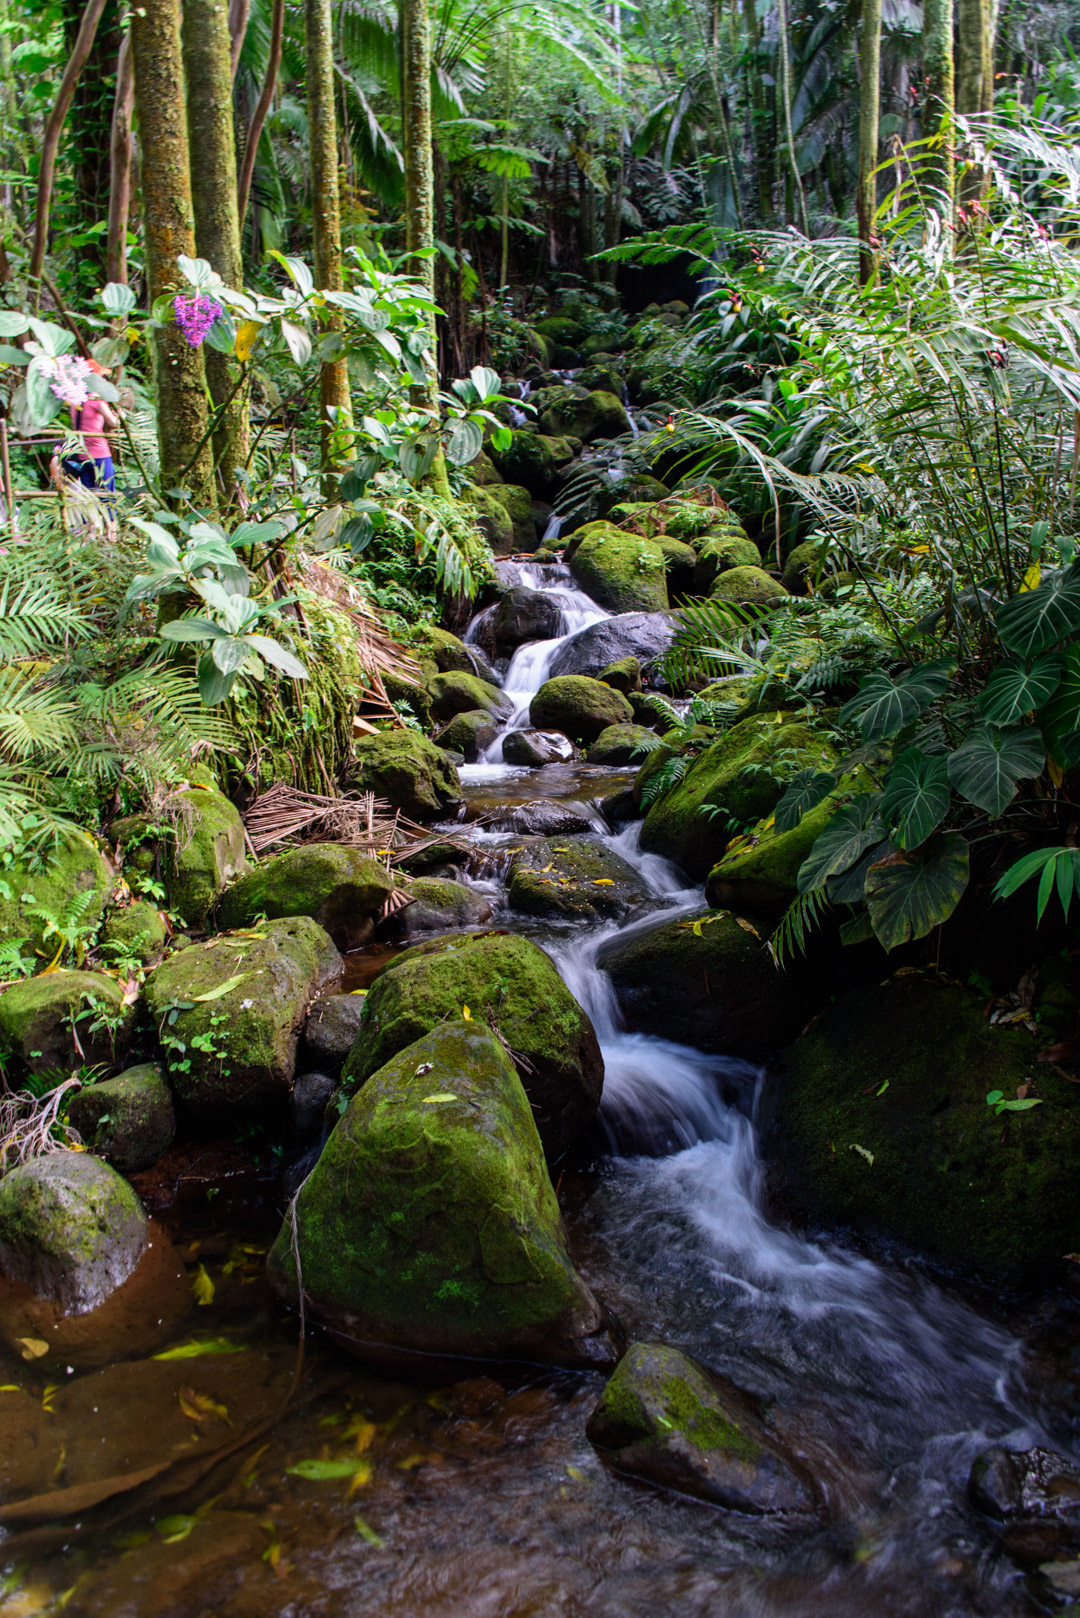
<point x="284" y="814"/>
<point x="396" y="901"/>
<point x="378" y="652"/>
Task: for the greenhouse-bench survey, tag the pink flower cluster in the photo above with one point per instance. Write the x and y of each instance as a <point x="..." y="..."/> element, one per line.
<point x="70" y="376"/>
<point x="195" y="316"/>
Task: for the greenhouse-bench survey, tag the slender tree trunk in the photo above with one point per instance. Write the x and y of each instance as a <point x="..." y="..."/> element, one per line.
<point x="120" y="166"/>
<point x="208" y="72"/>
<point x="940" y="95"/>
<point x="785" y="93"/>
<point x="420" y="184"/>
<point x="86" y="133"/>
<point x="168" y="231"/>
<point x="335" y="403"/>
<point x="262" y="107"/>
<point x="50" y="141"/>
<point x="974" y="77"/>
<point x="239" y="11"/>
<point x="758" y="115"/>
<point x="869" y="122"/>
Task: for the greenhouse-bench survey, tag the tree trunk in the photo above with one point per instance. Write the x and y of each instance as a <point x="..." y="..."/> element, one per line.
<point x="940" y="96"/>
<point x="420" y="184"/>
<point x="974" y="56"/>
<point x="120" y="166"/>
<point x="168" y="231"/>
<point x="208" y="71"/>
<point x="785" y="92"/>
<point x="335" y="404"/>
<point x="758" y="115"/>
<point x="86" y="142"/>
<point x="258" y="117"/>
<point x="869" y="120"/>
<point x="239" y="11"/>
<point x="50" y="140"/>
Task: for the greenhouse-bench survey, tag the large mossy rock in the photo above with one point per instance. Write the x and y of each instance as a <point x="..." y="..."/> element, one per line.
<point x="437" y="906"/>
<point x="733" y="775"/>
<point x="493" y="520"/>
<point x="720" y="554"/>
<point x="883" y="1124"/>
<point x="63" y="1020"/>
<point x="621" y="744"/>
<point x="209" y="853"/>
<point x="135" y="931"/>
<point x="65" y="883"/>
<point x="129" y="1120"/>
<point x="575" y="880"/>
<point x="680" y="565"/>
<point x="518" y="505"/>
<point x="578" y="706"/>
<point x="71" y="1230"/>
<point x="759" y="871"/>
<point x="510" y="982"/>
<point x="708" y="981"/>
<point x="662" y="1418"/>
<point x="238" y="1049"/>
<point x="439" y="652"/>
<point x="801" y="564"/>
<point x="585" y="415"/>
<point x="747" y="586"/>
<point x="468" y="735"/>
<point x="429" y="1224"/>
<point x="623" y="572"/>
<point x="532" y="460"/>
<point x="337" y="886"/>
<point x="410" y="772"/>
<point x="644" y="635"/>
<point x="456" y="693"/>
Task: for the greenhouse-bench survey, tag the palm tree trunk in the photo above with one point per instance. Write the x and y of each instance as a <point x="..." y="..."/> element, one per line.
<point x="869" y="121"/>
<point x="168" y="231"/>
<point x="208" y="70"/>
<point x="335" y="402"/>
<point x="940" y="95"/>
<point x="420" y="184"/>
<point x="120" y="166"/>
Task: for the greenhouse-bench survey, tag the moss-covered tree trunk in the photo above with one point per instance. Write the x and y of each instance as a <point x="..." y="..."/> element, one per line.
<point x="168" y="231"/>
<point x="974" y="77"/>
<point x="335" y="405"/>
<point x="208" y="71"/>
<point x="869" y="124"/>
<point x="938" y="62"/>
<point x="420" y="184"/>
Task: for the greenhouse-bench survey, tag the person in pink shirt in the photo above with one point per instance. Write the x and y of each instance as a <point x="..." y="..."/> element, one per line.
<point x="95" y="468"/>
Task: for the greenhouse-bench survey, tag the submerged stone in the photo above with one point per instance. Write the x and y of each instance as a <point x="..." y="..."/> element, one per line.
<point x="663" y="1419"/>
<point x="429" y="1224"/>
<point x="577" y="880"/>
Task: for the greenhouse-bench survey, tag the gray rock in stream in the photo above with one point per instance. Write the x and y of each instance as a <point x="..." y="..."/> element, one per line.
<point x="578" y="880"/>
<point x="538" y="747"/>
<point x="644" y="635"/>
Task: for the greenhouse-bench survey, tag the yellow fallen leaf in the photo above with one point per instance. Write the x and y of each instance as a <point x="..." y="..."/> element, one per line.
<point x="862" y="1151"/>
<point x="32" y="1348"/>
<point x="443" y="1095"/>
<point x="1032" y="578"/>
<point x="246" y="337"/>
<point x="362" y="1476"/>
<point x="603" y="881"/>
<point x="365" y="1436"/>
<point x="200" y="1406"/>
<point x="747" y="926"/>
<point x="466" y="1013"/>
<point x="202" y="1288"/>
<point x="545" y="868"/>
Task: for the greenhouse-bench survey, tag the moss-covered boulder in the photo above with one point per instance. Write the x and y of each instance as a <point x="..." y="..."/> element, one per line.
<point x="621" y="744"/>
<point x="663" y="1418"/>
<point x="538" y="747"/>
<point x="71" y="1230"/>
<point x="576" y="879"/>
<point x="337" y="886"/>
<point x="623" y="675"/>
<point x="623" y="572"/>
<point x="532" y="460"/>
<point x="562" y="330"/>
<point x="633" y="487"/>
<point x="429" y="1224"/>
<point x="680" y="563"/>
<point x="578" y="706"/>
<point x="802" y="564"/>
<point x="410" y="772"/>
<point x="468" y="734"/>
<point x="732" y="775"/>
<point x="483" y="471"/>
<point x="494" y="521"/>
<point x="510" y="982"/>
<point x="128" y="1120"/>
<point x="209" y="852"/>
<point x="134" y="932"/>
<point x="66" y="883"/>
<point x="62" y="1020"/>
<point x="883" y="1124"/>
<point x="602" y="376"/>
<point x="437" y="906"/>
<point x="758" y="872"/>
<point x="439" y="652"/>
<point x="463" y="693"/>
<point x="707" y="980"/>
<point x="237" y="1049"/>
<point x="746" y="694"/>
<point x="722" y="554"/>
<point x="518" y="503"/>
<point x="587" y="416"/>
<point x="749" y="586"/>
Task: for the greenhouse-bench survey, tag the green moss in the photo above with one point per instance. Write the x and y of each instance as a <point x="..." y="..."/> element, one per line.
<point x="750" y="585"/>
<point x="659" y="1393"/>
<point x="623" y="572"/>
<point x="574" y="878"/>
<point x="70" y="1229"/>
<point x="209" y="851"/>
<point x="494" y="521"/>
<point x="620" y="744"/>
<point x="948" y="1176"/>
<point x="624" y="676"/>
<point x="408" y="771"/>
<point x="509" y="982"/>
<point x="578" y="706"/>
<point x="429" y="1222"/>
<point x="467" y="734"/>
<point x="68" y="882"/>
<point x="518" y="503"/>
<point x="337" y="886"/>
<point x="456" y="693"/>
<point x="759" y="871"/>
<point x="802" y="564"/>
<point x="532" y="460"/>
<point x="38" y="1016"/>
<point x="128" y="1120"/>
<point x="585" y="415"/>
<point x="135" y="930"/>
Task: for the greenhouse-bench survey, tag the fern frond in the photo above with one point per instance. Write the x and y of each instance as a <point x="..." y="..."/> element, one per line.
<point x="35" y="618"/>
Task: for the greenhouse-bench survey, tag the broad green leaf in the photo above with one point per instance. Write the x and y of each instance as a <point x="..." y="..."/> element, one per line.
<point x="1013" y="691"/>
<point x="843" y="840"/>
<point x="181" y="629"/>
<point x="201" y="1346"/>
<point x="486" y="382"/>
<point x="230" y="653"/>
<point x="1035" y="620"/>
<point x="417" y="455"/>
<point x="882" y="706"/>
<point x="118" y="298"/>
<point x="222" y="989"/>
<point x="41" y="400"/>
<point x="299" y="273"/>
<point x="907" y="895"/>
<point x="323" y="1471"/>
<point x="1061" y="715"/>
<point x="214" y="686"/>
<point x="197" y="270"/>
<point x="849" y="887"/>
<point x="804" y="792"/>
<point x="989" y="763"/>
<point x="1055" y="867"/>
<point x="464" y="442"/>
<point x="12" y="323"/>
<point x="276" y="654"/>
<point x="916" y="797"/>
<point x="297" y="341"/>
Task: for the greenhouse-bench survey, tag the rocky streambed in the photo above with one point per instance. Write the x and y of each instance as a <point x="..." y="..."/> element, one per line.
<point x="498" y="1160"/>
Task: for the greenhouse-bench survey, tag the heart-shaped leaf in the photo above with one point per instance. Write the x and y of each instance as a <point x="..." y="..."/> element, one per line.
<point x="916" y="797"/>
<point x="1035" y="620"/>
<point x="907" y="895"/>
<point x="989" y="763"/>
<point x="1013" y="690"/>
<point x="804" y="792"/>
<point x="844" y="839"/>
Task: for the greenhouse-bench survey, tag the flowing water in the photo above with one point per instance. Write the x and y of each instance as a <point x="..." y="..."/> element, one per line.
<point x="483" y="1498"/>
